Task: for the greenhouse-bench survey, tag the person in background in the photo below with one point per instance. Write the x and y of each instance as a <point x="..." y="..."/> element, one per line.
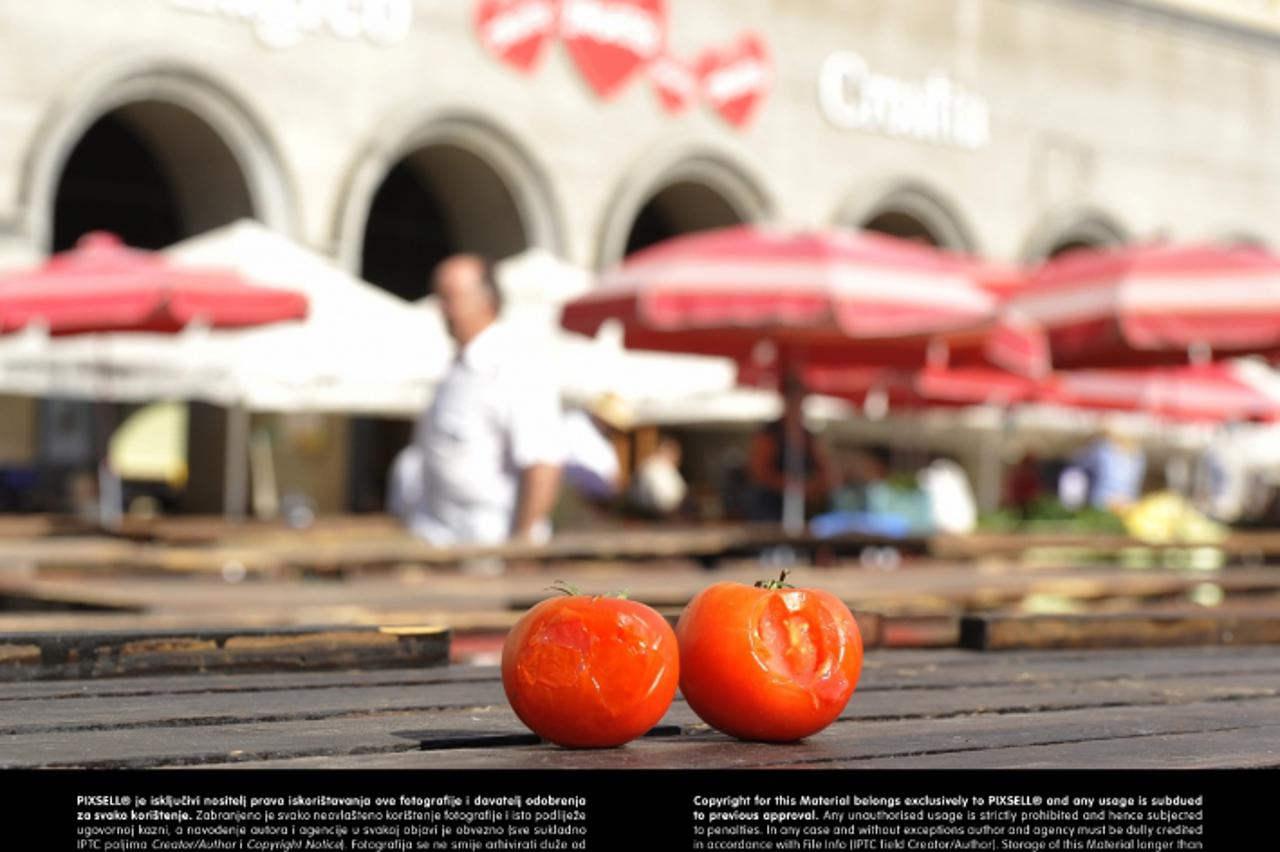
<point x="952" y="507"/>
<point x="1115" y="466"/>
<point x="1023" y="486"/>
<point x="405" y="483"/>
<point x="767" y="460"/>
<point x="491" y="441"/>
<point x="659" y="489"/>
<point x="591" y="466"/>
<point x="1222" y="481"/>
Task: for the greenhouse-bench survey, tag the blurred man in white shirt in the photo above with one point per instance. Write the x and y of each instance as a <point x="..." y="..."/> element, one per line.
<point x="491" y="440"/>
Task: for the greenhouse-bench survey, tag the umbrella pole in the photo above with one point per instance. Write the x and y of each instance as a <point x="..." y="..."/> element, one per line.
<point x="991" y="445"/>
<point x="793" y="495"/>
<point x="110" y="488"/>
<point x="789" y="363"/>
<point x="236" y="478"/>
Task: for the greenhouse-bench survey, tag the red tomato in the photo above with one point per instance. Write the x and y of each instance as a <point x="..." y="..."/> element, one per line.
<point x="763" y="663"/>
<point x="589" y="672"/>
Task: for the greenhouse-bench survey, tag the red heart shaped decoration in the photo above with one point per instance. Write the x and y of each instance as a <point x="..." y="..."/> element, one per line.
<point x="516" y="31"/>
<point x="736" y="79"/>
<point x="611" y="40"/>
<point x="675" y="82"/>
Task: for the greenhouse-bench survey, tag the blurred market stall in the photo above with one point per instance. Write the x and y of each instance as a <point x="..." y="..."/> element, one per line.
<point x="785" y="301"/>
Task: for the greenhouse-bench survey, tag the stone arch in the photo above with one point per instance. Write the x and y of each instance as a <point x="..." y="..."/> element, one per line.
<point x="457" y="174"/>
<point x="1072" y="229"/>
<point x="1242" y="237"/>
<point x="215" y="154"/>
<point x="908" y="208"/>
<point x="680" y="190"/>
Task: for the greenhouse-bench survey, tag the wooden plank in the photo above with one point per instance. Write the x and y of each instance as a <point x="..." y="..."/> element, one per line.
<point x="355" y="725"/>
<point x="897" y="669"/>
<point x="853" y="743"/>
<point x="299" y="551"/>
<point x="379" y="598"/>
<point x="937" y="591"/>
<point x="71" y="714"/>
<point x="1249" y="543"/>
<point x="184" y="745"/>
<point x="1259" y="749"/>
<point x="158" y="687"/>
<point x="210" y="529"/>
<point x="1109" y="630"/>
<point x="280" y="705"/>
<point x="35" y="600"/>
<point x="26" y="526"/>
<point x="919" y="631"/>
<point x="268" y="614"/>
<point x="43" y="656"/>
<point x="971" y="737"/>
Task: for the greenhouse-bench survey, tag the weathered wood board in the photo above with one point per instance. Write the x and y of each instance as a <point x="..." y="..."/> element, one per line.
<point x="90" y="654"/>
<point x="1179" y="707"/>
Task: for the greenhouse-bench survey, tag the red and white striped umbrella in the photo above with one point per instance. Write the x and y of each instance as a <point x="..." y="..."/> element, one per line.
<point x="1210" y="393"/>
<point x="1154" y="305"/>
<point x="820" y="297"/>
<point x="102" y="285"/>
<point x="931" y="387"/>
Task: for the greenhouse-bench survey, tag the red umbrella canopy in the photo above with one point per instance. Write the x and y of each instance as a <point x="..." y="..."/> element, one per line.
<point x="102" y="285"/>
<point x="1154" y="305"/>
<point x="830" y="296"/>
<point x="931" y="387"/>
<point x="1209" y="393"/>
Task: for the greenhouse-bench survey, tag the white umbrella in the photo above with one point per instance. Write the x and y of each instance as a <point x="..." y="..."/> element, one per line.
<point x="361" y="350"/>
<point x="120" y="367"/>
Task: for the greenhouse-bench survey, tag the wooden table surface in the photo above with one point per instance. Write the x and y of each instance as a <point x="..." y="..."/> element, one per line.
<point x="1138" y="708"/>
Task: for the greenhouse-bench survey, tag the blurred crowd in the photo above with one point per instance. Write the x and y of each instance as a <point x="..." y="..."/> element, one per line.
<point x="495" y="458"/>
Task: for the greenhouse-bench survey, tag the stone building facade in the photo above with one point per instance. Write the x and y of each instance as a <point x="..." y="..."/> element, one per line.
<point x="388" y="133"/>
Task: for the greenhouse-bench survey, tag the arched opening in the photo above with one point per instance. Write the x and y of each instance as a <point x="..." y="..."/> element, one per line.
<point x="909" y="211"/>
<point x="1070" y="245"/>
<point x="153" y="172"/>
<point x="1072" y="232"/>
<point x="904" y="226"/>
<point x="114" y="182"/>
<point x="680" y="208"/>
<point x="434" y="202"/>
<point x="437" y="200"/>
<point x="677" y="191"/>
<point x="1243" y="240"/>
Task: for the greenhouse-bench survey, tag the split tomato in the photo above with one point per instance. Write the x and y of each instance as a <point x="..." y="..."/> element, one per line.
<point x="768" y="662"/>
<point x="588" y="671"/>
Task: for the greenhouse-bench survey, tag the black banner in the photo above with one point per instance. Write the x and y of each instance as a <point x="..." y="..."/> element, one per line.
<point x="393" y="811"/>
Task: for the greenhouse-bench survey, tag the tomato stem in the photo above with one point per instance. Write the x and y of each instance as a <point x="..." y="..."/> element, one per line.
<point x="772" y="585"/>
<point x="564" y="588"/>
<point x="570" y="590"/>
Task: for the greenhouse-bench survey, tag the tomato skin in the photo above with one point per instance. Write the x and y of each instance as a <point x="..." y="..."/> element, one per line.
<point x="775" y="665"/>
<point x="590" y="672"/>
